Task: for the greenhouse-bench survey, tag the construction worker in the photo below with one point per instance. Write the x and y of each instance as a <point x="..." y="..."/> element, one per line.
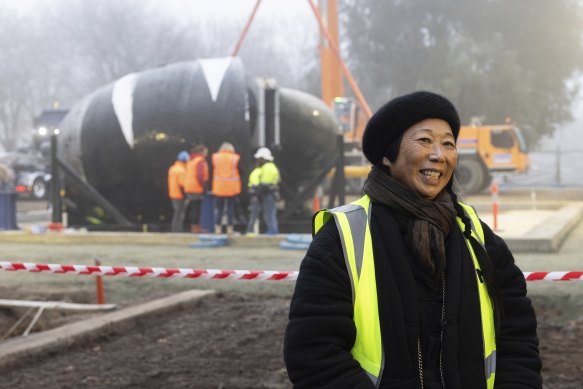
<point x="197" y="175"/>
<point x="264" y="191"/>
<point x="226" y="185"/>
<point x="406" y="287"/>
<point x="176" y="176"/>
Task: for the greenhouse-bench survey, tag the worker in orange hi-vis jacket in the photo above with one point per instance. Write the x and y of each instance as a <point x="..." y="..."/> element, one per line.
<point x="226" y="184"/>
<point x="197" y="176"/>
<point x="176" y="176"/>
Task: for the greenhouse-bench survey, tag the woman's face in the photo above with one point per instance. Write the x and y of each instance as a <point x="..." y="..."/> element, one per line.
<point x="427" y="158"/>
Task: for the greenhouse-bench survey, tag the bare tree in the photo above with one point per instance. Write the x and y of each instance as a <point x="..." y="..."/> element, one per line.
<point x="104" y="40"/>
<point x="15" y="38"/>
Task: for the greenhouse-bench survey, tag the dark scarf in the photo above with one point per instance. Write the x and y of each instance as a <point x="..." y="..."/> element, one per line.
<point x="432" y="219"/>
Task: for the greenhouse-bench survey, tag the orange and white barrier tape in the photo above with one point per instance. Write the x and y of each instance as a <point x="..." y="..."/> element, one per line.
<point x="129" y="271"/>
<point x="257" y="275"/>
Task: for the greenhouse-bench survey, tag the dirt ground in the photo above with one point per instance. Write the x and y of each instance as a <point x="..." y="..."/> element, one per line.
<point x="228" y="341"/>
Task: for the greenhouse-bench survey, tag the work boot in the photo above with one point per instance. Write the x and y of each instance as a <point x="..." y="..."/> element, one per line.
<point x="230" y="229"/>
<point x="195" y="228"/>
<point x="218" y="229"/>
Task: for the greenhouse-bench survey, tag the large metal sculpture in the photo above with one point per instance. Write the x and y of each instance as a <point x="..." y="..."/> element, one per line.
<point x="122" y="138"/>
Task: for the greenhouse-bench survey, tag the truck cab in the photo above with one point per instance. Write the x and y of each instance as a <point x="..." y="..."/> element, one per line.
<point x="487" y="149"/>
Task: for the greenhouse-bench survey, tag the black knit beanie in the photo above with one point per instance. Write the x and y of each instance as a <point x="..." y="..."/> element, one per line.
<point x="396" y="116"/>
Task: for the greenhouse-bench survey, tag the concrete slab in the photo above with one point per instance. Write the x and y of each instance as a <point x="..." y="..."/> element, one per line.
<point x="14" y="349"/>
<point x="536" y="230"/>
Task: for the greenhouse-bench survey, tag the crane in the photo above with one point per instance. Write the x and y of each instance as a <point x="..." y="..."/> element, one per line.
<point x="332" y="65"/>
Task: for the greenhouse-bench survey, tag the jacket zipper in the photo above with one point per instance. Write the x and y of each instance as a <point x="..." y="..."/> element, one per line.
<point x="443" y="325"/>
<point x="420" y="361"/>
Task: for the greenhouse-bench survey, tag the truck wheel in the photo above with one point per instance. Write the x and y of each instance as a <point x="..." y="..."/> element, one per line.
<point x="487" y="182"/>
<point x="472" y="175"/>
<point x="39" y="188"/>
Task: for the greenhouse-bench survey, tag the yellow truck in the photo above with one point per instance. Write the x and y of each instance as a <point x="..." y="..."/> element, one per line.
<point x="487" y="149"/>
<point x="482" y="151"/>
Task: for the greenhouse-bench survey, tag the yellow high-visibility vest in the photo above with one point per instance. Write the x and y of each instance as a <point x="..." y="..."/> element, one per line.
<point x="266" y="174"/>
<point x="353" y="223"/>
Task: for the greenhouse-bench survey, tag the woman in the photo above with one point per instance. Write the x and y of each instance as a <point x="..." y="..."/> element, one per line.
<point x="226" y="185"/>
<point x="406" y="287"/>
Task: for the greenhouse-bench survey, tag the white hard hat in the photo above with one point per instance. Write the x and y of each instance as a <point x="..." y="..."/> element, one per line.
<point x="264" y="153"/>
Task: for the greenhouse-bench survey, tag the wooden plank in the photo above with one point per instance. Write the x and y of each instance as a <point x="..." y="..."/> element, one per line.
<point x="56" y="305"/>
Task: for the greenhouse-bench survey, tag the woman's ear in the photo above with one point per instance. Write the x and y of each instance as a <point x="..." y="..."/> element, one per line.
<point x="386" y="161"/>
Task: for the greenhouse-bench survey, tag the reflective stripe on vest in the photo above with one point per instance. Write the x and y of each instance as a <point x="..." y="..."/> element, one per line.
<point x="487" y="313"/>
<point x="353" y="223"/>
<point x="226" y="179"/>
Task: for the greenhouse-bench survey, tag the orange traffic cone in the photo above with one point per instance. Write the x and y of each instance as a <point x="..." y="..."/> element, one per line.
<point x="316" y="203"/>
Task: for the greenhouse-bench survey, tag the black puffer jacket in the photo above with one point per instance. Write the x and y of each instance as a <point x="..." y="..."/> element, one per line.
<point x="321" y="332"/>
